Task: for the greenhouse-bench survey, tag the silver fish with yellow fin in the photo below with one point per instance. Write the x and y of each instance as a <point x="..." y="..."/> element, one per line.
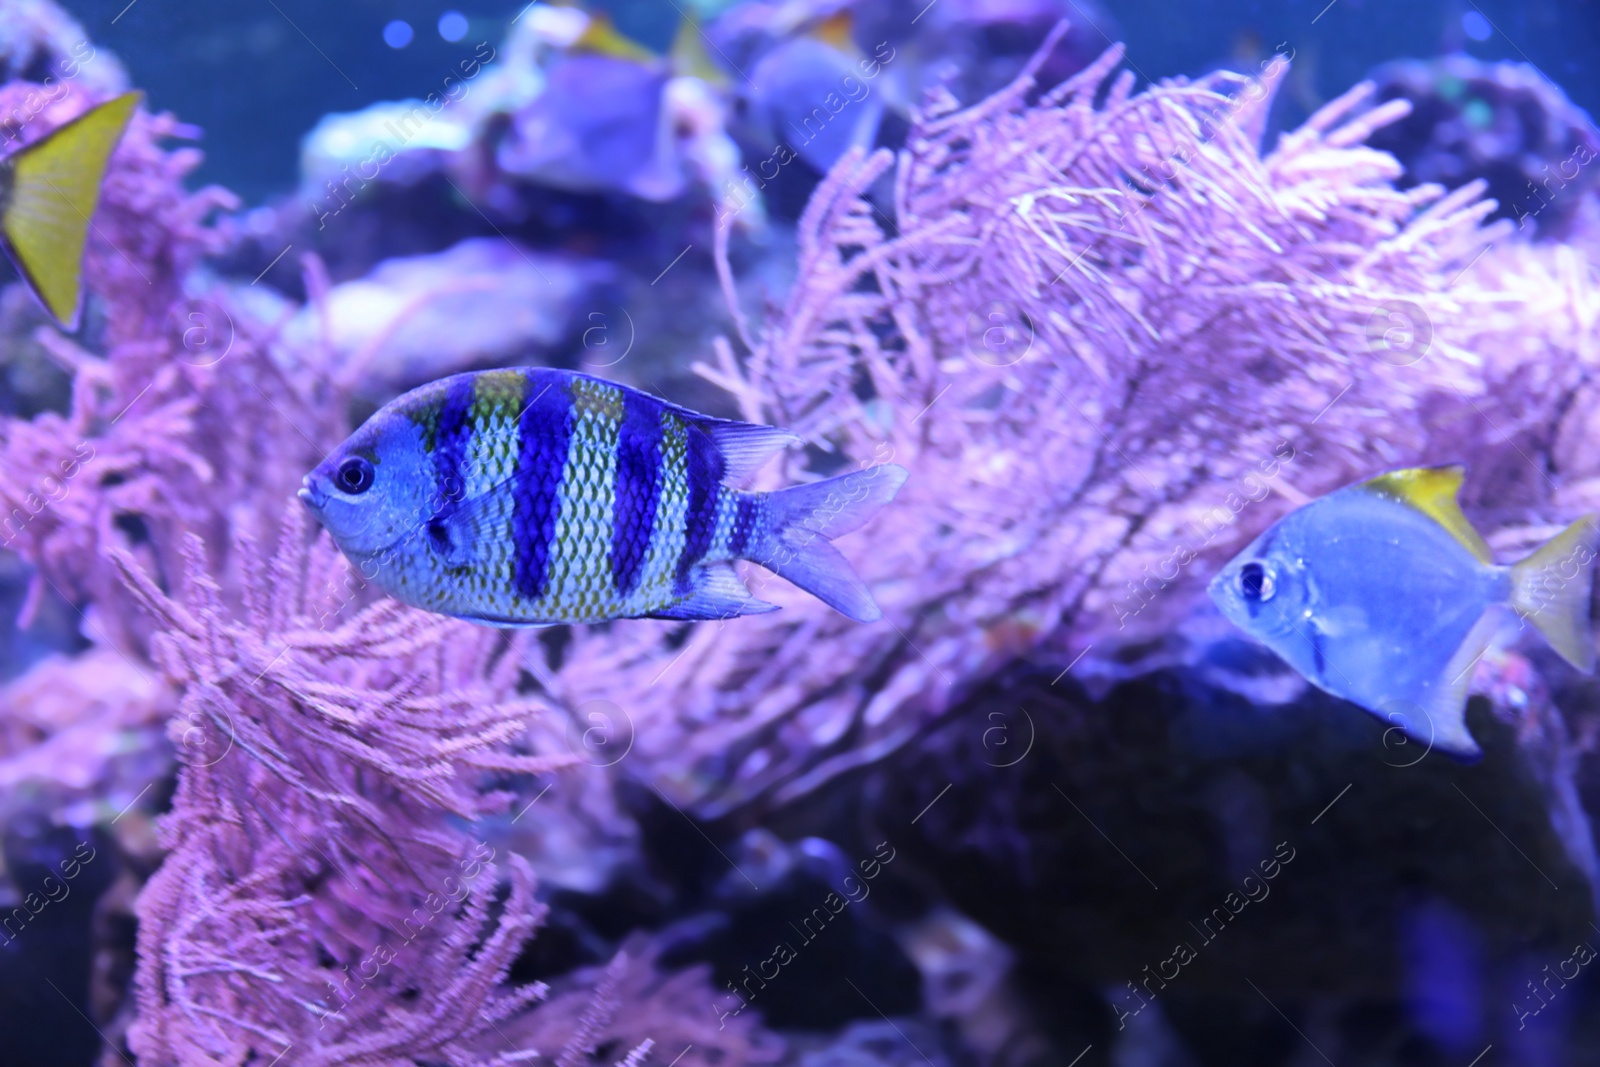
<point x="533" y="496"/>
<point x="1383" y="594"/>
<point x="48" y="194"/>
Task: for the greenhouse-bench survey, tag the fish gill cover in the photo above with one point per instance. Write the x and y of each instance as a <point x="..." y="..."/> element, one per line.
<point x="1114" y="332"/>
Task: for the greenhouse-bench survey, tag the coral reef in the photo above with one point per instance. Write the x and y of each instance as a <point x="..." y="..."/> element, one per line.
<point x="1112" y="334"/>
<point x="320" y="891"/>
<point x="630" y="1003"/>
<point x="307" y="845"/>
<point x="1102" y="329"/>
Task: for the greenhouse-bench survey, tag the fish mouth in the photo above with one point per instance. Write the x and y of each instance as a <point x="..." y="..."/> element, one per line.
<point x="311" y="496"/>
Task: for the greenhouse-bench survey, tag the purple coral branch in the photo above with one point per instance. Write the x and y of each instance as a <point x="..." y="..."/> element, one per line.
<point x="1091" y="316"/>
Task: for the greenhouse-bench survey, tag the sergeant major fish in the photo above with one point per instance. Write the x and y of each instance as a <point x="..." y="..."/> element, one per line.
<point x="1382" y="593"/>
<point x="534" y="496"/>
<point x="48" y="193"/>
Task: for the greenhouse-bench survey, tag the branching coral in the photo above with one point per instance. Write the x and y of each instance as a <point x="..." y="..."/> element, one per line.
<point x="322" y="893"/>
<point x="140" y="444"/>
<point x="316" y="896"/>
<point x="631" y="1004"/>
<point x="1101" y="328"/>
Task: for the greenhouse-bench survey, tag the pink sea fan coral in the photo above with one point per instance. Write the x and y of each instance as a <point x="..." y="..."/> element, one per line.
<point x="1101" y="327"/>
<point x="138" y="440"/>
<point x="319" y="894"/>
<point x="315" y="897"/>
<point x="631" y="1003"/>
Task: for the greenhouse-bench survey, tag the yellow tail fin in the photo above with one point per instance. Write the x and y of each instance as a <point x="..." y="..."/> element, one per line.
<point x="1551" y="589"/>
<point x="55" y="186"/>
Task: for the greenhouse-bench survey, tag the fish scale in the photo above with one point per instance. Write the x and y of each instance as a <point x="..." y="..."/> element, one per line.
<point x="669" y="529"/>
<point x="580" y="584"/>
<point x="533" y="496"/>
<point x="637" y="486"/>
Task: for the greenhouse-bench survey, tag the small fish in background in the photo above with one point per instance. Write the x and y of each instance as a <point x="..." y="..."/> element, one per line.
<point x="49" y="190"/>
<point x="1383" y="594"/>
<point x="811" y="92"/>
<point x="613" y="115"/>
<point x="534" y="496"/>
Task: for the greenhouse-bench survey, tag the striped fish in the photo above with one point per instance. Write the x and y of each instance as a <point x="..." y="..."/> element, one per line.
<point x="533" y="496"/>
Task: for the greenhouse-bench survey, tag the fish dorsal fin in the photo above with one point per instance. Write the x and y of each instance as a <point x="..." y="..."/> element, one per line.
<point x="601" y="37"/>
<point x="55" y="187"/>
<point x="838" y="30"/>
<point x="744" y="446"/>
<point x="1432" y="491"/>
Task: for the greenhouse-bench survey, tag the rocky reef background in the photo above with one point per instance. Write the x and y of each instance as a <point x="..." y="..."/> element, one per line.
<point x="1117" y="309"/>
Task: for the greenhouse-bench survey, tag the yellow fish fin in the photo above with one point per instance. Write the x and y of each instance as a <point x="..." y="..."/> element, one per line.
<point x="689" y="56"/>
<point x="1432" y="491"/>
<point x="55" y="186"/>
<point x="837" y="30"/>
<point x="1551" y="590"/>
<point x="603" y="38"/>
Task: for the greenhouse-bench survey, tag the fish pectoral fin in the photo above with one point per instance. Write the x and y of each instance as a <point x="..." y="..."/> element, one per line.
<point x="461" y="533"/>
<point x="450" y="539"/>
<point x="1436" y="713"/>
<point x="717" y="593"/>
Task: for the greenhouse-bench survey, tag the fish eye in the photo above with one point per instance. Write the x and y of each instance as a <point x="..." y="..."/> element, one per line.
<point x="1255" y="581"/>
<point x="354" y="475"/>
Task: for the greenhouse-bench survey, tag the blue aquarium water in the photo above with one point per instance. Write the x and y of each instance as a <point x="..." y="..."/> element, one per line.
<point x="824" y="533"/>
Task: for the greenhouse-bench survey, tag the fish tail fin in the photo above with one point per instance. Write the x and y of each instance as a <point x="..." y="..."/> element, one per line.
<point x="802" y="519"/>
<point x="55" y="187"/>
<point x="1551" y="589"/>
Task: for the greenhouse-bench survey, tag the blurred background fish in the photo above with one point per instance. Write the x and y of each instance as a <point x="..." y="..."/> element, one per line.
<point x="812" y="92"/>
<point x="614" y="114"/>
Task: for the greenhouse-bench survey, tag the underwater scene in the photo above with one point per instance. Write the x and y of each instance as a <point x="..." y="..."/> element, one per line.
<point x="799" y="533"/>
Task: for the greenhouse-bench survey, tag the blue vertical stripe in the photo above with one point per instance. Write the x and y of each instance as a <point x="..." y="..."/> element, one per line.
<point x="744" y="521"/>
<point x="544" y="431"/>
<point x="452" y="441"/>
<point x="638" y="487"/>
<point x="704" y="467"/>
